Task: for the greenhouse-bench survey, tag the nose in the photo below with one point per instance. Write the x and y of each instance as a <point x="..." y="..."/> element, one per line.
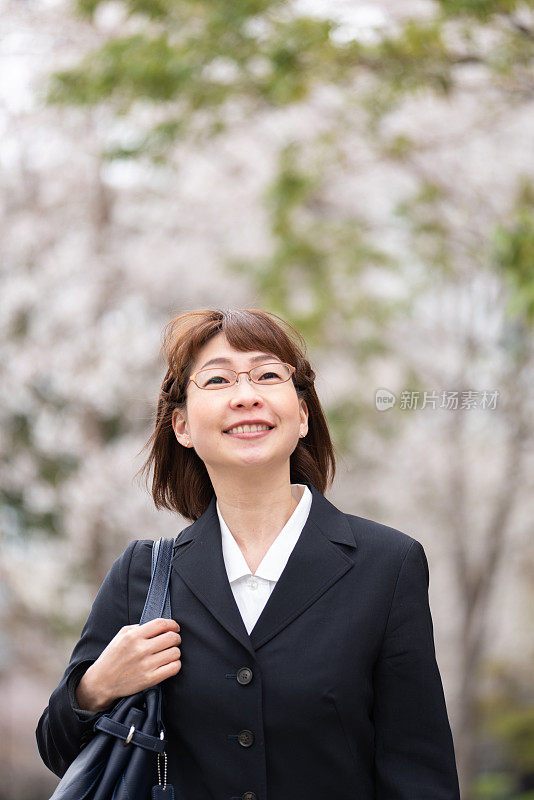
<point x="245" y="392"/>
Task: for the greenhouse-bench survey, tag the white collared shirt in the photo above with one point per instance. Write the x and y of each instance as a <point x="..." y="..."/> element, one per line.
<point x="251" y="592"/>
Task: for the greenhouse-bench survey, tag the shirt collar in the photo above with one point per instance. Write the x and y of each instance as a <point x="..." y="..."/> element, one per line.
<point x="278" y="553"/>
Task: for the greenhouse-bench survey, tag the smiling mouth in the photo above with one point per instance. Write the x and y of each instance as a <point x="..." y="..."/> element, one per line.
<point x="249" y="430"/>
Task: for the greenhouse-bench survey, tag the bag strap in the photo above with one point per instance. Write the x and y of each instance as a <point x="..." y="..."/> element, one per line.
<point x="155" y="549"/>
<point x="157" y="603"/>
<point x="122" y="731"/>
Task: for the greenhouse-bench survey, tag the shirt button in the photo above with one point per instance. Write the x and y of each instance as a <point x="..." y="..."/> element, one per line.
<point x="249" y="796"/>
<point x="245" y="738"/>
<point x="253" y="583"/>
<point x="244" y="675"/>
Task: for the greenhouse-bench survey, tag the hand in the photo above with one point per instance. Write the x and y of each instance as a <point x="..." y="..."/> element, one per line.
<point x="138" y="657"/>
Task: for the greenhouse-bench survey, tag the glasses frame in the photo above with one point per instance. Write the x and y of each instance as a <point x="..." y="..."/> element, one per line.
<point x="292" y="371"/>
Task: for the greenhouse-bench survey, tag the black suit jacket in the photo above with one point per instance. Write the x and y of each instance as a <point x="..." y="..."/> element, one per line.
<point x="335" y="695"/>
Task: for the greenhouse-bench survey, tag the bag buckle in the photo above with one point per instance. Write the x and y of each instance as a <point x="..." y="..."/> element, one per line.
<point x="130" y="734"/>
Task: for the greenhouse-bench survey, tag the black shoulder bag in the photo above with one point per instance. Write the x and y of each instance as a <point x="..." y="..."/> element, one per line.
<point x="119" y="762"/>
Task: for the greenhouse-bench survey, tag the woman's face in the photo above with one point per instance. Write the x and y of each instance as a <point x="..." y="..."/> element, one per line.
<point x="209" y="415"/>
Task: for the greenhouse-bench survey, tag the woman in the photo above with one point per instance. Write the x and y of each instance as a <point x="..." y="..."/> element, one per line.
<point x="308" y="668"/>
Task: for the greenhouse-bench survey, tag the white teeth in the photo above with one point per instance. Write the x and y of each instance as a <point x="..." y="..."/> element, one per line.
<point x="248" y="428"/>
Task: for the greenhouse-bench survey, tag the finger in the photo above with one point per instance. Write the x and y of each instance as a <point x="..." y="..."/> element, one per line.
<point x="169" y="639"/>
<point x="167" y="671"/>
<point x="156" y="626"/>
<point x="155" y="644"/>
<point x="168" y="655"/>
<point x="158" y="660"/>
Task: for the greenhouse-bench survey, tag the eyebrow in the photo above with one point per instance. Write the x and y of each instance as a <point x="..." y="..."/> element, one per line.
<point x="253" y="360"/>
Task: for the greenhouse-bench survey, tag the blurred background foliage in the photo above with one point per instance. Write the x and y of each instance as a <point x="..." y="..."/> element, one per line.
<point x="364" y="170"/>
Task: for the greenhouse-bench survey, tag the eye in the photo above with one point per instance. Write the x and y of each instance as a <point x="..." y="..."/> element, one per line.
<point x="216" y="379"/>
<point x="270" y="373"/>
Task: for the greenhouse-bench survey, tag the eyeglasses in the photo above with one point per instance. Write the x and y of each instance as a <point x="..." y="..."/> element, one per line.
<point x="221" y="378"/>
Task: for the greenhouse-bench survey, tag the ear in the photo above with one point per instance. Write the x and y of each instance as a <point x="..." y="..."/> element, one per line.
<point x="180" y="427"/>
<point x="303" y="411"/>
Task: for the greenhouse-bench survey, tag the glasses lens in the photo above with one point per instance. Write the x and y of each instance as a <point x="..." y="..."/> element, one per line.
<point x="270" y="373"/>
<point x="215" y="378"/>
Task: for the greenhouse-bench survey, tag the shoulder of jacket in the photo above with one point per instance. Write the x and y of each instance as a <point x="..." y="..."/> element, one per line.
<point x="140" y="548"/>
<point x="377" y="536"/>
<point x="135" y="549"/>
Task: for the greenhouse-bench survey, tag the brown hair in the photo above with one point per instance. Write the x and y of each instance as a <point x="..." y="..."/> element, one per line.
<point x="181" y="482"/>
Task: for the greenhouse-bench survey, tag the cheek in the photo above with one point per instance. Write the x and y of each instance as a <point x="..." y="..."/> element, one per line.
<point x="290" y="415"/>
<point x="294" y="409"/>
<point x="203" y="419"/>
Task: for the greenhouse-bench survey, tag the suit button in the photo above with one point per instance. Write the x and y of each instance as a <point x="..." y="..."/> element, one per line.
<point x="245" y="738"/>
<point x="244" y="675"/>
<point x="249" y="796"/>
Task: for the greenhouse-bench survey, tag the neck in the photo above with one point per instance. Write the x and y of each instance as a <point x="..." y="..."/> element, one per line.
<point x="256" y="511"/>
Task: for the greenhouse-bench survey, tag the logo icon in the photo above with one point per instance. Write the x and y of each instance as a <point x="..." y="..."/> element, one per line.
<point x="384" y="399"/>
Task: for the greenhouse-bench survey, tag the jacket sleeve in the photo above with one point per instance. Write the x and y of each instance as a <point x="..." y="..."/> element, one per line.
<point x="414" y="752"/>
<point x="64" y="728"/>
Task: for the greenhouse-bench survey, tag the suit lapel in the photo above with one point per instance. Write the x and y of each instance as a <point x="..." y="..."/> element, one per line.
<point x="199" y="562"/>
<point x="315" y="563"/>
